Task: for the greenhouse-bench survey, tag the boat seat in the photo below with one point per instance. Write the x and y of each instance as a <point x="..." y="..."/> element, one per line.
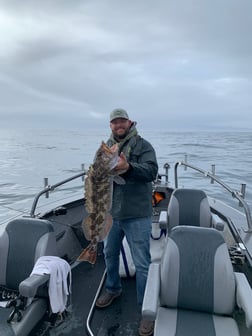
<point x="22" y="242"/>
<point x="187" y="207"/>
<point x="194" y="290"/>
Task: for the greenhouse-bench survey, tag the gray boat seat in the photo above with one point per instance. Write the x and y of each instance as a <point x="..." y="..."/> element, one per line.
<point x="22" y="242"/>
<point x="187" y="207"/>
<point x="194" y="290"/>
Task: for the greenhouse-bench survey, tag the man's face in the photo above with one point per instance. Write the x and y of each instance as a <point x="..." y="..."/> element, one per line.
<point x="120" y="127"/>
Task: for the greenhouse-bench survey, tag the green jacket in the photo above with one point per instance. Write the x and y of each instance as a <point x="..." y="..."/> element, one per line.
<point x="133" y="199"/>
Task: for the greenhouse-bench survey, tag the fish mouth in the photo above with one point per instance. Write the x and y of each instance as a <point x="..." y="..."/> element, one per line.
<point x="109" y="150"/>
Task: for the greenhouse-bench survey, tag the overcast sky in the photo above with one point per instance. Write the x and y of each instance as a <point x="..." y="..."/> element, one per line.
<point x="172" y="64"/>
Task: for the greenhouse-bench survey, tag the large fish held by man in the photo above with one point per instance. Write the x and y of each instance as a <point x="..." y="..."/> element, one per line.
<point x="98" y="199"/>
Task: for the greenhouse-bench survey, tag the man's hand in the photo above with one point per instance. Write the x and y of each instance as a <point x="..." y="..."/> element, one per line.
<point x="122" y="163"/>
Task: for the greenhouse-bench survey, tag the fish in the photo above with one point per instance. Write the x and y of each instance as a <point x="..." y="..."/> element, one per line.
<point x="98" y="188"/>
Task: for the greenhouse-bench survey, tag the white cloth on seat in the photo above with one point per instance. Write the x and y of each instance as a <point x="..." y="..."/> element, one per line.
<point x="59" y="288"/>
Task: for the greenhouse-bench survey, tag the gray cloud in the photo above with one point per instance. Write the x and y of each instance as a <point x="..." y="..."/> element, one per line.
<point x="183" y="64"/>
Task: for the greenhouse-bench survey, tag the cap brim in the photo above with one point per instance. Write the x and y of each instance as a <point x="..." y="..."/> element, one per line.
<point x="118" y="118"/>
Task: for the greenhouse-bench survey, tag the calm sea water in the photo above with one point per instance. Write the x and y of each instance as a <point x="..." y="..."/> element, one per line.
<point x="26" y="157"/>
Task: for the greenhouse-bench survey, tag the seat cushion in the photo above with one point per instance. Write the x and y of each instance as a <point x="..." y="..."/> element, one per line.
<point x="196" y="272"/>
<point x="188" y="207"/>
<point x="174" y="322"/>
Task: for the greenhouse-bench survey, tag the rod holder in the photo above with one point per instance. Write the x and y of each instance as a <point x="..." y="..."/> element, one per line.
<point x="213" y="173"/>
<point x="166" y="168"/>
<point x="185" y="166"/>
<point x="243" y="191"/>
<point x="46" y="185"/>
<point x="83" y="169"/>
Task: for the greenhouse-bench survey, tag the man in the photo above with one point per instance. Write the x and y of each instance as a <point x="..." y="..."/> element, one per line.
<point x="131" y="210"/>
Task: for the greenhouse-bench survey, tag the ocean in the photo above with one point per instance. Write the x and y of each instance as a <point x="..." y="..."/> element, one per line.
<point x="29" y="156"/>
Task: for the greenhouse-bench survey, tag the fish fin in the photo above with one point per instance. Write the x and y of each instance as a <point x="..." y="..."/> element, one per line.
<point x="89" y="254"/>
<point x="118" y="179"/>
<point x="106" y="227"/>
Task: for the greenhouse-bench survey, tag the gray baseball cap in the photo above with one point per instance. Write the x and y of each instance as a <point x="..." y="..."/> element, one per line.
<point x="118" y="113"/>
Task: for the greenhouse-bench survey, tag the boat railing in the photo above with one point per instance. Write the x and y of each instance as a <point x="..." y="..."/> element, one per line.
<point x="49" y="188"/>
<point x="239" y="195"/>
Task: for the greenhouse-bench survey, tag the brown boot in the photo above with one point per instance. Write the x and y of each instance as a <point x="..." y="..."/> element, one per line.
<point x="146" y="328"/>
<point x="106" y="299"/>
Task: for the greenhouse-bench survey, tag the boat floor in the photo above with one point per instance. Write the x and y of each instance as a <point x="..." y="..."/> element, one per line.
<point x="121" y="318"/>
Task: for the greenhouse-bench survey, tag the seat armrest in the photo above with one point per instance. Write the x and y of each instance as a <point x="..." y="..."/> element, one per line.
<point x="244" y="297"/>
<point x="29" y="286"/>
<point x="163" y="222"/>
<point x="151" y="295"/>
<point x="217" y="223"/>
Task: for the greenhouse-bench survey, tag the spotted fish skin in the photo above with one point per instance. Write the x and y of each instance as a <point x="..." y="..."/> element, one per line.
<point x="98" y="199"/>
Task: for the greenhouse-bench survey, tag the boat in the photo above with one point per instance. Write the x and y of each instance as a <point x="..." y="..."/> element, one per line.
<point x="24" y="302"/>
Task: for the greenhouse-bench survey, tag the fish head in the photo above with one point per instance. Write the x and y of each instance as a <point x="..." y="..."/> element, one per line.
<point x="114" y="148"/>
<point x="107" y="156"/>
<point x="109" y="150"/>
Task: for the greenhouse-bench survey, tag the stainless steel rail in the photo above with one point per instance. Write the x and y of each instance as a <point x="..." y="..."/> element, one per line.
<point x="49" y="188"/>
<point x="235" y="194"/>
<point x="91" y="312"/>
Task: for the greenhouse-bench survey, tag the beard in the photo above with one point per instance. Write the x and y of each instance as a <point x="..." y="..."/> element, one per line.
<point x="122" y="136"/>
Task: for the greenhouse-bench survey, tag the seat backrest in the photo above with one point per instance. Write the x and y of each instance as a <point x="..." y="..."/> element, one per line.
<point x="188" y="207"/>
<point x="196" y="271"/>
<point x="22" y="242"/>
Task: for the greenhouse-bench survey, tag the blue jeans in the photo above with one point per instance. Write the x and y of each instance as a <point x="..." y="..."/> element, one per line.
<point x="137" y="232"/>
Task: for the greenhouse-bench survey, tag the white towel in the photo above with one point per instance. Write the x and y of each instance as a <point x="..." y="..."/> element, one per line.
<point x="59" y="288"/>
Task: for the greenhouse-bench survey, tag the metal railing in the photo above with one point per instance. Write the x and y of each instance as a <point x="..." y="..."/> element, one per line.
<point x="49" y="188"/>
<point x="239" y="195"/>
<point x="92" y="308"/>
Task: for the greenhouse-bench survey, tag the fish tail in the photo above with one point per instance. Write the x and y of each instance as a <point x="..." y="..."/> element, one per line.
<point x="88" y="254"/>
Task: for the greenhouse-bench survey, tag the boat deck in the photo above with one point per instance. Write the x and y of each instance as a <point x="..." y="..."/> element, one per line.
<point x="121" y="318"/>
